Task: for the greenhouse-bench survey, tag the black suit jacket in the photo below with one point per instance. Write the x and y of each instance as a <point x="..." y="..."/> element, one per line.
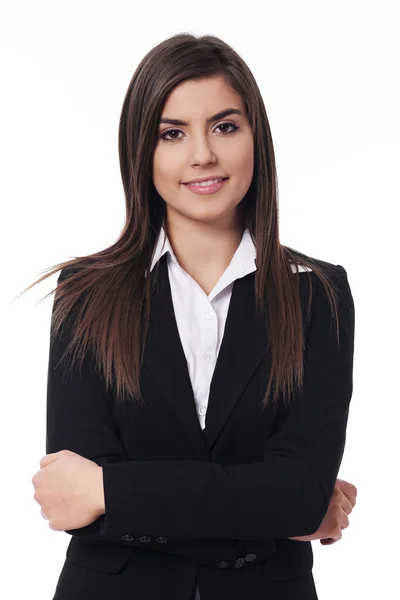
<point x="218" y="505"/>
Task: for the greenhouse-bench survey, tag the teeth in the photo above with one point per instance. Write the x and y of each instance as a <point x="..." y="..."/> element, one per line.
<point x="206" y="183"/>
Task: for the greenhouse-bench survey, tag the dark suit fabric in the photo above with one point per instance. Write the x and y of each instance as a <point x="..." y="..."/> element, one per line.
<point x="217" y="504"/>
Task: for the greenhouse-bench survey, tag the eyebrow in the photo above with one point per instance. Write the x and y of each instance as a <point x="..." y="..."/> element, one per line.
<point x="220" y="115"/>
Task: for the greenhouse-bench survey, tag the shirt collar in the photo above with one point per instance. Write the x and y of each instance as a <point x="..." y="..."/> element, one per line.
<point x="242" y="263"/>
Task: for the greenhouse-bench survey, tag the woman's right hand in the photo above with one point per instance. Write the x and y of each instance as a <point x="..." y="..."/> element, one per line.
<point x="336" y="518"/>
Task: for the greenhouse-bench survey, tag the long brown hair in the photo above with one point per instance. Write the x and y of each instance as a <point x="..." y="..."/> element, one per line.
<point x="108" y="291"/>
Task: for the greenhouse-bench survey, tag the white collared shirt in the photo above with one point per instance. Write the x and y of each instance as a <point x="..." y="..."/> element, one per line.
<point x="201" y="318"/>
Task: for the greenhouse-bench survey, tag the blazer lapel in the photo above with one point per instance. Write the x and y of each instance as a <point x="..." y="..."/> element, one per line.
<point x="243" y="347"/>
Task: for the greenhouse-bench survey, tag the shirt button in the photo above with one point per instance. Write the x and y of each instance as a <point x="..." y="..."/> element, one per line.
<point x="209" y="358"/>
<point x="144" y="539"/>
<point x="239" y="563"/>
<point x="250" y="557"/>
<point x="161" y="539"/>
<point x="223" y="564"/>
<point x="209" y="314"/>
<point x="127" y="537"/>
<point x="202" y="409"/>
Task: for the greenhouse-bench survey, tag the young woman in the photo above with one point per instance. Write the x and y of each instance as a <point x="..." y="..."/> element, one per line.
<point x="200" y="372"/>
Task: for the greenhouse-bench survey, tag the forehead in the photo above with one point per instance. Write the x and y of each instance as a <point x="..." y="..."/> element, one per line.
<point x="201" y="98"/>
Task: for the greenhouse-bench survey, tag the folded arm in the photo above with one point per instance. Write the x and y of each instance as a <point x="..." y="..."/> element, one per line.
<point x="284" y="495"/>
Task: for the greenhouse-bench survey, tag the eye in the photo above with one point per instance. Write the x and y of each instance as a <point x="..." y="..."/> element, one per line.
<point x="169" y="131"/>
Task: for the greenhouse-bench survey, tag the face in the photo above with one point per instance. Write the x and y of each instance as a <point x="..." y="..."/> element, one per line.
<point x="221" y="147"/>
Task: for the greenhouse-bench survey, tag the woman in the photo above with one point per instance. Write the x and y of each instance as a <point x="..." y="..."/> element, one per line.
<point x="194" y="440"/>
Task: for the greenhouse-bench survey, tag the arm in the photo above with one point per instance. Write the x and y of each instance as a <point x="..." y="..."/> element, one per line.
<point x="286" y="494"/>
<point x="78" y="415"/>
<point x="79" y="419"/>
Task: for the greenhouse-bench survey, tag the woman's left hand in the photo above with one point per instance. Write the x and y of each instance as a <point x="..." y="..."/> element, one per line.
<point x="336" y="518"/>
<point x="69" y="489"/>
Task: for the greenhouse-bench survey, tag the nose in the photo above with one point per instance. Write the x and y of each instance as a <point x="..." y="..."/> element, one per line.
<point x="202" y="152"/>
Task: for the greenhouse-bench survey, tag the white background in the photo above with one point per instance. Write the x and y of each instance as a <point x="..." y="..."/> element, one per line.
<point x="329" y="76"/>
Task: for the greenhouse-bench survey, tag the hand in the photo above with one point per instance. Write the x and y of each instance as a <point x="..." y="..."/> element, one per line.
<point x="336" y="518"/>
<point x="69" y="489"/>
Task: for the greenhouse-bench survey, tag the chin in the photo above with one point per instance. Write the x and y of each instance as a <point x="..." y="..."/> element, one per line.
<point x="208" y="214"/>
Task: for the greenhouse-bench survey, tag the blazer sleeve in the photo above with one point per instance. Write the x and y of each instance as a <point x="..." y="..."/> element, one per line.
<point x="284" y="495"/>
<point x="78" y="416"/>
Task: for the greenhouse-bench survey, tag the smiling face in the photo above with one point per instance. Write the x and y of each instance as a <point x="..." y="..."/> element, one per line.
<point x="221" y="147"/>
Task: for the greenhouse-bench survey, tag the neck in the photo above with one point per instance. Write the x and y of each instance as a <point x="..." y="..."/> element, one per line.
<point x="202" y="246"/>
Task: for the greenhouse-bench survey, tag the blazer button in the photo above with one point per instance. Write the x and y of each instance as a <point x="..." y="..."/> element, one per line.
<point x="145" y="538"/>
<point x="127" y="537"/>
<point x="223" y="564"/>
<point x="250" y="557"/>
<point x="161" y="539"/>
<point x="239" y="563"/>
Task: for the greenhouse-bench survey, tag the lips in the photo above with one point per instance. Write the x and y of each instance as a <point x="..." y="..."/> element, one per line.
<point x="205" y="190"/>
<point x="210" y="179"/>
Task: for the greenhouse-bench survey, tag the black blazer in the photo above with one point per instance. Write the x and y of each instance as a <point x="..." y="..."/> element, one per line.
<point x="216" y="505"/>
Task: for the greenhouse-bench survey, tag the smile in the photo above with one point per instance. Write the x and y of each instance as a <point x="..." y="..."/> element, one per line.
<point x="206" y="187"/>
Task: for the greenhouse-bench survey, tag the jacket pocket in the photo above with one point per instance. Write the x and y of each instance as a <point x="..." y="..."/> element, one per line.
<point x="100" y="556"/>
<point x="292" y="559"/>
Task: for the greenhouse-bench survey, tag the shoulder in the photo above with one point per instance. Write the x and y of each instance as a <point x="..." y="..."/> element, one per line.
<point x="331" y="270"/>
<point x="69" y="288"/>
<point x="332" y="286"/>
<point x="66" y="272"/>
<point x="335" y="291"/>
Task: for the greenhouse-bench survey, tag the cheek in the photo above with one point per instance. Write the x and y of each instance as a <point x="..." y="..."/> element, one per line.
<point x="166" y="171"/>
<point x="243" y="168"/>
<point x="245" y="159"/>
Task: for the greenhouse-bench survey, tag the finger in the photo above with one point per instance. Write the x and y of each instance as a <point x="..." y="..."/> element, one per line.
<point x="47" y="459"/>
<point x="348" y="489"/>
<point x="335" y="538"/>
<point x="344" y="520"/>
<point x="346" y="505"/>
<point x="328" y="541"/>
